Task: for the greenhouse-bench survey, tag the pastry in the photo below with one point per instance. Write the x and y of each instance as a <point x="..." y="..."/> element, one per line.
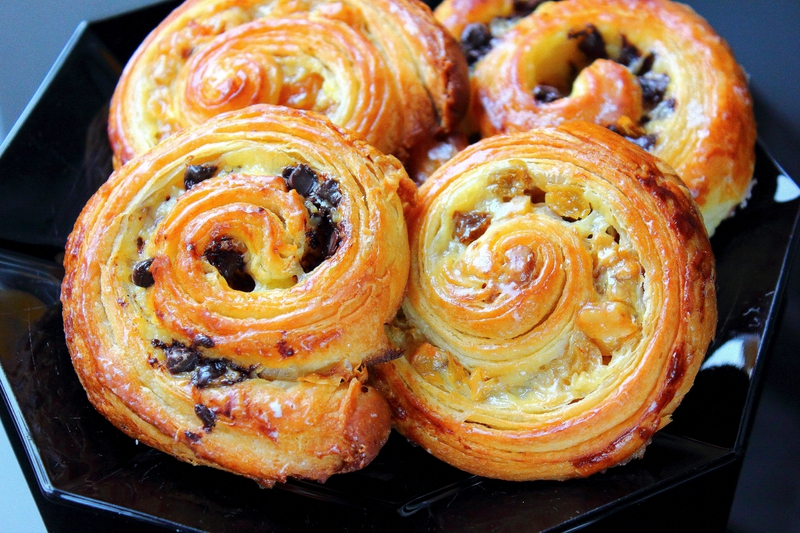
<point x="652" y="70"/>
<point x="561" y="300"/>
<point x="384" y="69"/>
<point x="226" y="291"/>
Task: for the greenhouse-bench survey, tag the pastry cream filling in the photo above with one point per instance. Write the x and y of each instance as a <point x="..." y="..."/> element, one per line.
<point x="496" y="241"/>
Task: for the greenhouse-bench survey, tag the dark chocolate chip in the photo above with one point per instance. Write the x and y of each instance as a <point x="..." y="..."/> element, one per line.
<point x="470" y="226"/>
<point x="141" y="275"/>
<point x="196" y="173"/>
<point x="226" y="256"/>
<point x="546" y="93"/>
<point x="301" y="179"/>
<point x="523" y="8"/>
<point x="180" y="358"/>
<point x="640" y="138"/>
<point x="284" y="349"/>
<point x="646" y="65"/>
<point x="647" y="142"/>
<point x="218" y="372"/>
<point x="203" y="340"/>
<point x="206" y="415"/>
<point x="192" y="436"/>
<point x="333" y="243"/>
<point x="628" y="54"/>
<point x="207" y="372"/>
<point x="323" y="237"/>
<point x="328" y="193"/>
<point x="590" y="42"/>
<point x="660" y="111"/>
<point x="654" y="86"/>
<point x="476" y="41"/>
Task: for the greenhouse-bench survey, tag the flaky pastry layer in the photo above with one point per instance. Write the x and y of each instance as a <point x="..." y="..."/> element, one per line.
<point x="225" y="292"/>
<point x="561" y="300"/>
<point x="652" y="70"/>
<point x="384" y="69"/>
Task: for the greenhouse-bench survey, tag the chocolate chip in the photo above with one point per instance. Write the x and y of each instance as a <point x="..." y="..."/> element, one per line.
<point x="636" y="135"/>
<point x="207" y="372"/>
<point x="226" y="256"/>
<point x="333" y="243"/>
<point x="546" y="93"/>
<point x="323" y="237"/>
<point x="590" y="42"/>
<point x="476" y="41"/>
<point x="629" y="55"/>
<point x="301" y="179"/>
<point x="646" y="65"/>
<point x="141" y="275"/>
<point x="217" y="372"/>
<point x="470" y="226"/>
<point x="328" y="193"/>
<point x="206" y="415"/>
<point x="192" y="436"/>
<point x="180" y="358"/>
<point x="654" y="86"/>
<point x="523" y="8"/>
<point x="196" y="173"/>
<point x="203" y="340"/>
<point x="648" y="142"/>
<point x="284" y="349"/>
<point x="664" y="109"/>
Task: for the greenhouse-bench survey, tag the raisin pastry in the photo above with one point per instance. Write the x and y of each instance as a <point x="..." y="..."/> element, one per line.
<point x="384" y="69"/>
<point x="226" y="291"/>
<point x="652" y="70"/>
<point x="561" y="300"/>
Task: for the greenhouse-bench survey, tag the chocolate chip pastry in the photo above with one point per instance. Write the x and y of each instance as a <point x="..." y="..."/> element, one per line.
<point x="561" y="300"/>
<point x="226" y="292"/>
<point x="384" y="69"/>
<point x="651" y="70"/>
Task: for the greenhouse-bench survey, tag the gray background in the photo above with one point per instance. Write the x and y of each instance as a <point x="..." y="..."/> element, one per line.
<point x="764" y="38"/>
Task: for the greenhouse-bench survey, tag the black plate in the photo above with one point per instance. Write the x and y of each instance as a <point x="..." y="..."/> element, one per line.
<point x="59" y="155"/>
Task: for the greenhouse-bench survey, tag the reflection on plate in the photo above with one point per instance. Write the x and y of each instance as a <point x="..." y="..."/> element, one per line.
<point x="60" y="155"/>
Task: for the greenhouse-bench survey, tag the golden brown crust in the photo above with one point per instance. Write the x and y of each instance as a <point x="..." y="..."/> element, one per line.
<point x="225" y="292"/>
<point x="384" y="69"/>
<point x="561" y="299"/>
<point x="658" y="67"/>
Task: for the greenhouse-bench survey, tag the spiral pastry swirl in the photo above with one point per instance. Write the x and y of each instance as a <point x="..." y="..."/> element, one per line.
<point x="561" y="299"/>
<point x="225" y="292"/>
<point x="652" y="70"/>
<point x="385" y="70"/>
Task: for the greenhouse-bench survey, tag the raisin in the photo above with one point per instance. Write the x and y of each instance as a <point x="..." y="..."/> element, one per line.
<point x="470" y="226"/>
